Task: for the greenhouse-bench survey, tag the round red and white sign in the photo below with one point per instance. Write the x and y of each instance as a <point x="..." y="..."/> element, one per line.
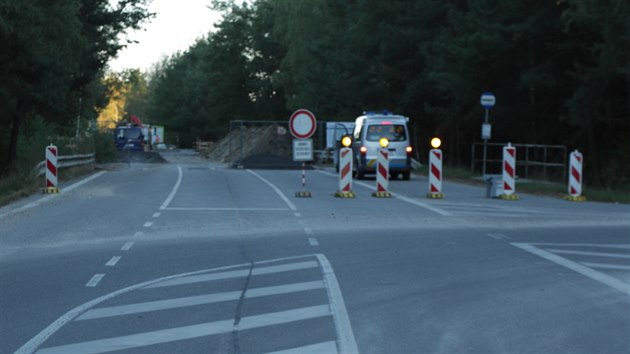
<point x="302" y="124"/>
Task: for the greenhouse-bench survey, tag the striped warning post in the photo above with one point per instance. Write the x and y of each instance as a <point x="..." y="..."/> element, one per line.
<point x="51" y="170"/>
<point x="575" y="177"/>
<point x="345" y="174"/>
<point x="509" y="173"/>
<point x="303" y="193"/>
<point x="382" y="174"/>
<point x="435" y="174"/>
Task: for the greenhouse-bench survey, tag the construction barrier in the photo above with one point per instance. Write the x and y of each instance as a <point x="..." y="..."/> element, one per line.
<point x="303" y="193"/>
<point x="575" y="177"/>
<point x="345" y="174"/>
<point x="509" y="173"/>
<point x="382" y="174"/>
<point x="51" y="170"/>
<point x="435" y="174"/>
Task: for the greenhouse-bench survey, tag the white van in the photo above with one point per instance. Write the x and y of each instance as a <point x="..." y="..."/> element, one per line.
<point x="368" y="130"/>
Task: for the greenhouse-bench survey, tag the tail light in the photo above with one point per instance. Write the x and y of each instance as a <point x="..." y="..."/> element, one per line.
<point x="363" y="150"/>
<point x="409" y="150"/>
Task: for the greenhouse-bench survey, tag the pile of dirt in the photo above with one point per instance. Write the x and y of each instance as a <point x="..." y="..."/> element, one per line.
<point x="267" y="146"/>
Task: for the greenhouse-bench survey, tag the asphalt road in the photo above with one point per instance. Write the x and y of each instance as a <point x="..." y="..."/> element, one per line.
<point x="193" y="257"/>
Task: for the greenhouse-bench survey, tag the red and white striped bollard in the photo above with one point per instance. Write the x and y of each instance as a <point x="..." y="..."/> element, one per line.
<point x="576" y="161"/>
<point x="345" y="174"/>
<point x="435" y="174"/>
<point x="509" y="173"/>
<point x="51" y="170"/>
<point x="382" y="174"/>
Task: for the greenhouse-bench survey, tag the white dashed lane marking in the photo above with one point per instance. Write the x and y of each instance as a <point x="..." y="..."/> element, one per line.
<point x="148" y="224"/>
<point x="127" y="246"/>
<point x="95" y="280"/>
<point x="312" y="241"/>
<point x="112" y="262"/>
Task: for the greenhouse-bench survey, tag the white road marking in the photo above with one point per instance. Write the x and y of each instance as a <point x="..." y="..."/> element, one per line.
<point x="409" y="200"/>
<point x="297" y="215"/>
<point x="48" y="197"/>
<point x="597" y="254"/>
<point x="156" y="215"/>
<point x="35" y="342"/>
<point x="235" y="274"/>
<point x="606" y="266"/>
<point x="138" y="234"/>
<point x="498" y="236"/>
<point x="148" y="224"/>
<point x="308" y="230"/>
<point x="112" y="262"/>
<point x="197" y="300"/>
<point x="312" y="241"/>
<point x="94" y="280"/>
<point x="345" y="337"/>
<point x="276" y="189"/>
<point x="127" y="246"/>
<point x="174" y="190"/>
<point x="227" y="209"/>
<point x="586" y="271"/>
<point x="619" y="246"/>
<point x="319" y="348"/>
<point x="189" y="332"/>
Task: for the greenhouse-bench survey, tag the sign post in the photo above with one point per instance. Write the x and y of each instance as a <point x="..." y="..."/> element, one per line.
<point x="487" y="101"/>
<point x="302" y="125"/>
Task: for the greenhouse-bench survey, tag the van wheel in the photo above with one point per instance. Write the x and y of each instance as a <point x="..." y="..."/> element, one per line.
<point x="360" y="175"/>
<point x="406" y="175"/>
<point x="337" y="168"/>
<point x="393" y="176"/>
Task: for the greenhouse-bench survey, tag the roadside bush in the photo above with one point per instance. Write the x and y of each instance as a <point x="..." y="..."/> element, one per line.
<point x="104" y="147"/>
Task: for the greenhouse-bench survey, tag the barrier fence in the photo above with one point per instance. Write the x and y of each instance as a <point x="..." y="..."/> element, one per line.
<point x="535" y="160"/>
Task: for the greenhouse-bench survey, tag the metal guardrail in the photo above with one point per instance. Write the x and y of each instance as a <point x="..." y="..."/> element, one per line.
<point x="67" y="161"/>
<point x="530" y="158"/>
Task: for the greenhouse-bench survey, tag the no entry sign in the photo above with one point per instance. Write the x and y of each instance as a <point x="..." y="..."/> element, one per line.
<point x="302" y="124"/>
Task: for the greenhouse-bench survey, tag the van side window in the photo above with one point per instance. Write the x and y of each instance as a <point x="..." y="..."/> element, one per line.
<point x="358" y="129"/>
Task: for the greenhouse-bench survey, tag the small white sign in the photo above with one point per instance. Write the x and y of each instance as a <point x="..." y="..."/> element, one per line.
<point x="302" y="149"/>
<point x="487" y="100"/>
<point x="486" y="131"/>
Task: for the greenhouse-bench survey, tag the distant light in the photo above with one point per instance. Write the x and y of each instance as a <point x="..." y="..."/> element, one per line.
<point x="346" y="141"/>
<point x="409" y="149"/>
<point x="436" y="142"/>
<point x="363" y="150"/>
<point x="383" y="142"/>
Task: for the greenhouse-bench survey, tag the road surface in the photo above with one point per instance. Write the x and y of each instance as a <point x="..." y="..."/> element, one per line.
<point x="193" y="257"/>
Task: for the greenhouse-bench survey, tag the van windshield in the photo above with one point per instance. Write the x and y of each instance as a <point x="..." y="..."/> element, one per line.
<point x="393" y="132"/>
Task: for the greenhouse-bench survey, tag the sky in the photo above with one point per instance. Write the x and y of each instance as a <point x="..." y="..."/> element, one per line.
<point x="176" y="26"/>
